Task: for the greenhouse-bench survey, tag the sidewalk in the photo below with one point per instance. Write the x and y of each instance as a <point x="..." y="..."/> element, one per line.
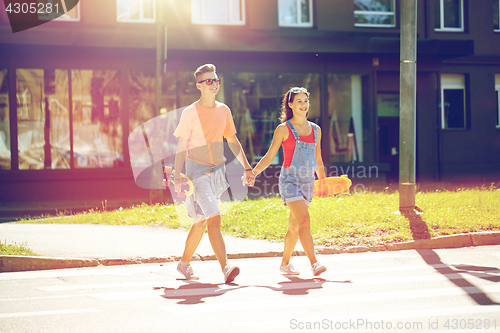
<point x="84" y="245"/>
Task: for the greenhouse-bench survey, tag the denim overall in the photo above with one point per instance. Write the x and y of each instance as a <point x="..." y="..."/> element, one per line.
<point x="297" y="181"/>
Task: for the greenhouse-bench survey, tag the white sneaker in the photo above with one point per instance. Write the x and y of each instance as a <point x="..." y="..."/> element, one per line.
<point x="317" y="269"/>
<point x="187" y="271"/>
<point x="230" y="272"/>
<point x="288" y="270"/>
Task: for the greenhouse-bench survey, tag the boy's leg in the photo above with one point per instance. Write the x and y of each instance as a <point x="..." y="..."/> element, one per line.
<point x="193" y="240"/>
<point x="216" y="240"/>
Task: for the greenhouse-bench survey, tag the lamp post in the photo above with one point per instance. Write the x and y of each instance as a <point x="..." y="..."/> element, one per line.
<point x="407" y="136"/>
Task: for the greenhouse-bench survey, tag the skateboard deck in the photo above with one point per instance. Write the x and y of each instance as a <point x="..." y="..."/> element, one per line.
<point x="331" y="186"/>
<point x="187" y="185"/>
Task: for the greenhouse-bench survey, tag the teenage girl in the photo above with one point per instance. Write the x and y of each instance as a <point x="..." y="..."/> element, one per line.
<point x="302" y="158"/>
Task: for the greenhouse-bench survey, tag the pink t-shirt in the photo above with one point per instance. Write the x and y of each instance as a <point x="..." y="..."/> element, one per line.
<point x="204" y="130"/>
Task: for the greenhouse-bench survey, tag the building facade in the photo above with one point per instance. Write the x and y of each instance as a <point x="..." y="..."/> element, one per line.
<point x="73" y="89"/>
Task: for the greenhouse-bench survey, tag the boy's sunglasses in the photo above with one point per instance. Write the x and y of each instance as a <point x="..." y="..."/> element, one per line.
<point x="210" y="81"/>
<point x="295" y="90"/>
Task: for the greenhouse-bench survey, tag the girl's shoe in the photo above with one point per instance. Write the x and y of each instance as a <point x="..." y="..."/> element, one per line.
<point x="187" y="271"/>
<point x="317" y="268"/>
<point x="289" y="270"/>
<point x="230" y="272"/>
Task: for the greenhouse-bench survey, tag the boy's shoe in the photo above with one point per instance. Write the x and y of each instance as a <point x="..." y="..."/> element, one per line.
<point x="187" y="271"/>
<point x="230" y="272"/>
<point x="317" y="269"/>
<point x="288" y="270"/>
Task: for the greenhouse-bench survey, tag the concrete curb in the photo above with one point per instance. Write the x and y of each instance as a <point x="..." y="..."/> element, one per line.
<point x="27" y="263"/>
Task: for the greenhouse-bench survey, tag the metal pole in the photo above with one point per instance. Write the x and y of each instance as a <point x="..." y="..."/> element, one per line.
<point x="407" y="102"/>
<point x="156" y="195"/>
<point x="159" y="54"/>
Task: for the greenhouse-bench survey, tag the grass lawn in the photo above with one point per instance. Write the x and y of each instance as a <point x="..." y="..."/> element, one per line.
<point x="359" y="219"/>
<point x="15" y="250"/>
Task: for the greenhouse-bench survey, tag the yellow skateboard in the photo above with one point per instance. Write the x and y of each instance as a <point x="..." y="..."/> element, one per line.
<point x="331" y="185"/>
<point x="187" y="185"/>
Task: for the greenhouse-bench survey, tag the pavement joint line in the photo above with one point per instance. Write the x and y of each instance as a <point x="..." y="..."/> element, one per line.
<point x="31" y="263"/>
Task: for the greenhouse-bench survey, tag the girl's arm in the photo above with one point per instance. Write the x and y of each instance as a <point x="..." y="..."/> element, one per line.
<point x="279" y="136"/>
<point x="320" y="170"/>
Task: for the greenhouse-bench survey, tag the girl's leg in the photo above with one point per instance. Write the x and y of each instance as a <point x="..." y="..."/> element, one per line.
<point x="291" y="237"/>
<point x="300" y="211"/>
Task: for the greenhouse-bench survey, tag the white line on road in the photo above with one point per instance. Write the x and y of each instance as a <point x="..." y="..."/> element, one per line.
<point x="450" y="312"/>
<point x="274" y="283"/>
<point x="329" y="300"/>
<point x="46" y="313"/>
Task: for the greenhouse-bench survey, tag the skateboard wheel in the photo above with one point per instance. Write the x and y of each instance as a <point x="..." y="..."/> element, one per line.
<point x="167" y="170"/>
<point x="166" y="183"/>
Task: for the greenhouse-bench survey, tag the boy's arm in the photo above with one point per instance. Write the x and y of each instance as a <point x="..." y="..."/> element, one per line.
<point x="278" y="137"/>
<point x="180" y="157"/>
<point x="237" y="149"/>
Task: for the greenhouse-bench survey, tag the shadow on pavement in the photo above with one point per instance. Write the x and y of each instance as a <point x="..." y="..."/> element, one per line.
<point x="477" y="295"/>
<point x="194" y="292"/>
<point x="298" y="286"/>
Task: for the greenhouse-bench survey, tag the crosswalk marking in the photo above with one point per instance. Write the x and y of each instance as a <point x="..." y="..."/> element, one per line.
<point x="277" y="284"/>
<point x="386" y="316"/>
<point x="46" y="313"/>
<point x="328" y="300"/>
<point x="332" y="274"/>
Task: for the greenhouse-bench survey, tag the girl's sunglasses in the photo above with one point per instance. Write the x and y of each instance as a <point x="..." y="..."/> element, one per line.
<point x="295" y="90"/>
<point x="210" y="81"/>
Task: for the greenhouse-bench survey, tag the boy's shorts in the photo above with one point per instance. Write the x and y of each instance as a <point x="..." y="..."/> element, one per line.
<point x="207" y="203"/>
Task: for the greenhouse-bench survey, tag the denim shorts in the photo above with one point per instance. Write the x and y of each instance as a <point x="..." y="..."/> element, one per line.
<point x="208" y="204"/>
<point x="295" y="186"/>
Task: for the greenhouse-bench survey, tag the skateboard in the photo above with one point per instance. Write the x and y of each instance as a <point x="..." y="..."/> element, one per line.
<point x="331" y="186"/>
<point x="187" y="184"/>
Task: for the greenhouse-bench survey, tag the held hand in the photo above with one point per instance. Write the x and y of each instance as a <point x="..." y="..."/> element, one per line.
<point x="178" y="185"/>
<point x="248" y="178"/>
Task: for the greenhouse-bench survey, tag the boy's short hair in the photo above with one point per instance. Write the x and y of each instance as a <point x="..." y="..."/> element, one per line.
<point x="204" y="69"/>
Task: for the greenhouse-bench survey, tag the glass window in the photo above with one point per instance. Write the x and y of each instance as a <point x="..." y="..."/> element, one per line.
<point x="374" y="13"/>
<point x="255" y="112"/>
<point x="53" y="7"/>
<point x="230" y="12"/>
<point x="496" y="13"/>
<point x="43" y="119"/>
<point x="448" y="15"/>
<point x="295" y="13"/>
<point x="138" y="11"/>
<point x="142" y="98"/>
<point x="497" y="91"/>
<point x="97" y="128"/>
<point x="453" y="101"/>
<point x="345" y="118"/>
<point x="5" y="157"/>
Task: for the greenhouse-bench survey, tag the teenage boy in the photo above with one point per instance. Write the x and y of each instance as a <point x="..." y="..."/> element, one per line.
<point x="201" y="130"/>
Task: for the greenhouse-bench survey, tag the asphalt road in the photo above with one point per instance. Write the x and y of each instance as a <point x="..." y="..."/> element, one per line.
<point x="447" y="290"/>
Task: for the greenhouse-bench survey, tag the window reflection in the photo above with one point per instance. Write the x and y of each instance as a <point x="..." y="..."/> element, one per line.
<point x="141" y="11"/>
<point x="4" y="121"/>
<point x="345" y="118"/>
<point x="295" y="13"/>
<point x="142" y="98"/>
<point x="374" y="13"/>
<point x="255" y="111"/>
<point x="97" y="129"/>
<point x="43" y="119"/>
